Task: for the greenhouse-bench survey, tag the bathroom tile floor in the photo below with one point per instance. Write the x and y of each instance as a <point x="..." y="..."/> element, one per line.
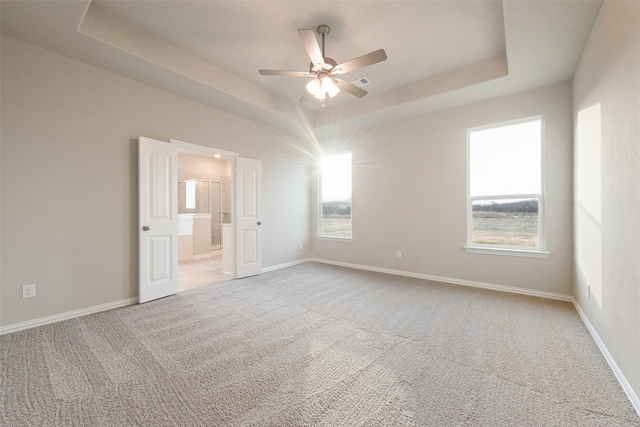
<point x="200" y="272"/>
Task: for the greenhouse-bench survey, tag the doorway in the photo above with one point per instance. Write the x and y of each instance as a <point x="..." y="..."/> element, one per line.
<point x="159" y="225"/>
<point x="204" y="211"/>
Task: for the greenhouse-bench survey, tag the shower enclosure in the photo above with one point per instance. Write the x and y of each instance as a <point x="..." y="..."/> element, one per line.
<point x="203" y="199"/>
<point x="216" y="216"/>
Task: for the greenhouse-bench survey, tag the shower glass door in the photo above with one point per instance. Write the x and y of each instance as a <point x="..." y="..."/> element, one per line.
<point x="216" y="230"/>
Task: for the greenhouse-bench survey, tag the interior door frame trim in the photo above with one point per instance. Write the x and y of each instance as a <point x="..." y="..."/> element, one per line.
<point x="203" y="148"/>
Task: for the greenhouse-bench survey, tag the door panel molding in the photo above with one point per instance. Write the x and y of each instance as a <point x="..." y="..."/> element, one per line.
<point x="157" y="219"/>
<point x="248" y="218"/>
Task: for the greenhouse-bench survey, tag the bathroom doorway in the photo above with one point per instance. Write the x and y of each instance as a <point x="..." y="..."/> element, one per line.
<point x="204" y="214"/>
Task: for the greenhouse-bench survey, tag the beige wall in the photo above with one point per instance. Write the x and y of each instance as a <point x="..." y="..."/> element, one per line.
<point x="410" y="186"/>
<point x="69" y="179"/>
<point x="607" y="183"/>
<point x="203" y="166"/>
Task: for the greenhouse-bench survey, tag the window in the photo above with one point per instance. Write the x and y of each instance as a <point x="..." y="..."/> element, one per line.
<point x="505" y="188"/>
<point x="193" y="196"/>
<point x="335" y="197"/>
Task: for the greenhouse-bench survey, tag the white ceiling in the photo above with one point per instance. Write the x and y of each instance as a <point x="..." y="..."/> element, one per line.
<point x="440" y="53"/>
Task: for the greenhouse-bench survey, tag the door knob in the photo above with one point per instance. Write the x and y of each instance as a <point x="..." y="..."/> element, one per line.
<point x="259" y="223"/>
<point x="146" y="228"/>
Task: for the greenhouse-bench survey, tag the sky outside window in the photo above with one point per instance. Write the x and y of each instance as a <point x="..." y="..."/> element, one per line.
<point x="506" y="160"/>
<point x="336" y="178"/>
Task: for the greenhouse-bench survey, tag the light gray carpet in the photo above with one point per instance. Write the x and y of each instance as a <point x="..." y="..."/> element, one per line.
<point x="315" y="345"/>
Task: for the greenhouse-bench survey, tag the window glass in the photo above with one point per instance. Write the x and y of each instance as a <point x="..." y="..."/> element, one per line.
<point x="335" y="191"/>
<point x="505" y="160"/>
<point x="511" y="222"/>
<point x="505" y="185"/>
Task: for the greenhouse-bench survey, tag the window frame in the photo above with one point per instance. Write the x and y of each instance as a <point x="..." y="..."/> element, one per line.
<point x="539" y="251"/>
<point x="320" y="232"/>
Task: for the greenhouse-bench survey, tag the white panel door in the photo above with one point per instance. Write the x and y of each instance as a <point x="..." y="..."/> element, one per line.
<point x="157" y="218"/>
<point x="248" y="232"/>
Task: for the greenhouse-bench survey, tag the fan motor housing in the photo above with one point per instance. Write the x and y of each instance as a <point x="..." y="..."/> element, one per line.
<point x="313" y="68"/>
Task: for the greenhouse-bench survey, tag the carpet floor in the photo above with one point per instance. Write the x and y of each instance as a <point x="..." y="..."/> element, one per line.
<point x="315" y="345"/>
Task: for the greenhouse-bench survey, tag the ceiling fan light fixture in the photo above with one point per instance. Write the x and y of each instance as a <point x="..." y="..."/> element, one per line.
<point x="314" y="87"/>
<point x="329" y="87"/>
<point x="321" y="87"/>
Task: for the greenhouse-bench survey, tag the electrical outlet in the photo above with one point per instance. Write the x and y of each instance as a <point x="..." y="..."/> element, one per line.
<point x="588" y="291"/>
<point x="399" y="254"/>
<point x="28" y="291"/>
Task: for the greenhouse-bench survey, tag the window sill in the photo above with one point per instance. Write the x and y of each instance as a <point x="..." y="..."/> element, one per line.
<point x="335" y="238"/>
<point x="509" y="252"/>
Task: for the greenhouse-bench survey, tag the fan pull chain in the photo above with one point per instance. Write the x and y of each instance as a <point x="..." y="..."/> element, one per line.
<point x="323" y="56"/>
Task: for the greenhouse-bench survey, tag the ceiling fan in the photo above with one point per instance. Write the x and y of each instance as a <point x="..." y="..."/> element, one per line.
<point x="325" y="71"/>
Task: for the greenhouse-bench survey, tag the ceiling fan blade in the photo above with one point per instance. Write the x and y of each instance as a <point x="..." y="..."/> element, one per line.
<point x="349" y="87"/>
<point x="285" y="73"/>
<point x="311" y="45"/>
<point x="359" y="62"/>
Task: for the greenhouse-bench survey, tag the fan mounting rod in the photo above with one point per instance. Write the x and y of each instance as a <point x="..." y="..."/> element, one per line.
<point x="323" y="30"/>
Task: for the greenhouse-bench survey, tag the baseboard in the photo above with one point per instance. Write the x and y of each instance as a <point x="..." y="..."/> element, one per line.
<point x="287" y="264"/>
<point x="66" y="316"/>
<point x="501" y="288"/>
<point x="633" y="397"/>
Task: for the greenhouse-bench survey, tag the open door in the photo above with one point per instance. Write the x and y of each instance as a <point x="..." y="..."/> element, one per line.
<point x="157" y="218"/>
<point x="248" y="203"/>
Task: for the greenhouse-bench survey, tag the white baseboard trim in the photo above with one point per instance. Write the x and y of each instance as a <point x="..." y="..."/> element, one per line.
<point x="287" y="264"/>
<point x="66" y="316"/>
<point x="501" y="288"/>
<point x="633" y="397"/>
